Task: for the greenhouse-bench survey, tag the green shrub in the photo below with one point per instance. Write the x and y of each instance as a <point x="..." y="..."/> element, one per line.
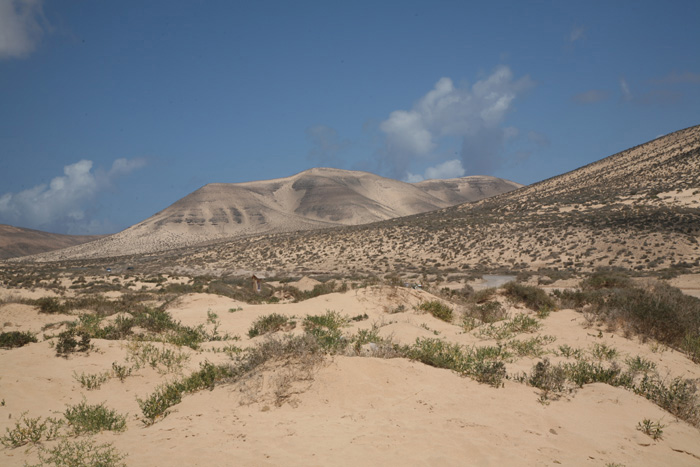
<point x="532" y="297"/>
<point x="84" y="453"/>
<point x="606" y="280"/>
<point x="438" y="310"/>
<point x="84" y="418"/>
<point x="67" y="342"/>
<point x="652" y="429"/>
<point x="50" y="305"/>
<point x="31" y="430"/>
<point x="327" y="329"/>
<point x="270" y="323"/>
<point x="91" y="381"/>
<point x="14" y="339"/>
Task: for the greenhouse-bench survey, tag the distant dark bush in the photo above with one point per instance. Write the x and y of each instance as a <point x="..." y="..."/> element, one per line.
<point x="532" y="297"/>
<point x="50" y="305"/>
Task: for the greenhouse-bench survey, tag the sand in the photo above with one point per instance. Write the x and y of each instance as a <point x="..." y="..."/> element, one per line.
<point x="350" y="410"/>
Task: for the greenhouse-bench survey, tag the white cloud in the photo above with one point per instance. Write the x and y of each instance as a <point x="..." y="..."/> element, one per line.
<point x="448" y="169"/>
<point x="123" y="166"/>
<point x="20" y="30"/>
<point x="66" y="203"/>
<point x="474" y="114"/>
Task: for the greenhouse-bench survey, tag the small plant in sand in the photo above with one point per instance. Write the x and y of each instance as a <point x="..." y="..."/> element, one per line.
<point x="652" y="429"/>
<point x="519" y="324"/>
<point x="163" y="359"/>
<point x="85" y="453"/>
<point x="270" y="323"/>
<point x="438" y="310"/>
<point x="91" y="381"/>
<point x="31" y="430"/>
<point x="603" y="352"/>
<point x="121" y="371"/>
<point x="14" y="339"/>
<point x="84" y="418"/>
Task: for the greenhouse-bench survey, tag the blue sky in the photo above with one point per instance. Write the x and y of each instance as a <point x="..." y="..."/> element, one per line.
<point x="111" y="111"/>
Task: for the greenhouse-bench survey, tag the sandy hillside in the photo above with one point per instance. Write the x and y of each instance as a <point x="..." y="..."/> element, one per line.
<point x="313" y="199"/>
<point x="354" y="407"/>
<point x="636" y="210"/>
<point x="16" y="241"/>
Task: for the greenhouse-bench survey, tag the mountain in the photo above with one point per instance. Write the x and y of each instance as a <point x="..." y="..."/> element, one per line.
<point x="637" y="210"/>
<point x="314" y="199"/>
<point x="16" y="241"/>
<point x="466" y="189"/>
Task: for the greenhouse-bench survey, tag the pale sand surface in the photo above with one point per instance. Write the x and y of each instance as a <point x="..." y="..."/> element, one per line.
<point x="352" y="410"/>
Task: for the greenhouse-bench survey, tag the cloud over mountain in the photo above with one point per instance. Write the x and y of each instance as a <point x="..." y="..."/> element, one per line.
<point x="473" y="114"/>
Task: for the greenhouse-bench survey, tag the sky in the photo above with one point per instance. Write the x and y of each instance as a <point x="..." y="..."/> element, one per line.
<point x="110" y="111"/>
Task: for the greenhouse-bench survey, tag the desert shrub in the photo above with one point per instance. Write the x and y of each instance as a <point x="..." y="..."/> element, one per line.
<point x="488" y="312"/>
<point x="532" y="297"/>
<point x="550" y="379"/>
<point x="603" y="352"/>
<point x="157" y="404"/>
<point x="679" y="397"/>
<point x="91" y="381"/>
<point x="31" y="430"/>
<point x="691" y="346"/>
<point x="533" y="347"/>
<point x="518" y="324"/>
<point x="84" y="453"/>
<point x="84" y="418"/>
<point x="438" y="310"/>
<point x="652" y="429"/>
<point x="289" y="348"/>
<point x="570" y="352"/>
<point x="68" y="342"/>
<point x="50" y="305"/>
<point x="327" y="329"/>
<point x="484" y="295"/>
<point x="162" y="359"/>
<point x="583" y="372"/>
<point x="606" y="280"/>
<point x="14" y="339"/>
<point x="474" y="363"/>
<point x="121" y="371"/>
<point x="268" y="324"/>
<point x="572" y="298"/>
<point x="155" y="320"/>
<point x="639" y="365"/>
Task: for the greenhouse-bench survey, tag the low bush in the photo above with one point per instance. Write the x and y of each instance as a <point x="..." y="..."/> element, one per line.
<point x="84" y="418"/>
<point x="70" y="341"/>
<point x="438" y="310"/>
<point x="270" y="323"/>
<point x="84" y="453"/>
<point x="14" y="339"/>
<point x="31" y="430"/>
<point x="532" y="297"/>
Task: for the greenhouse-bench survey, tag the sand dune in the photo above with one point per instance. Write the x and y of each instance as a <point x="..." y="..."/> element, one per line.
<point x="350" y="410"/>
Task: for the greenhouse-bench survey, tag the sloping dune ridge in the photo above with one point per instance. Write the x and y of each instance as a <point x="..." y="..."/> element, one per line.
<point x="313" y="199"/>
